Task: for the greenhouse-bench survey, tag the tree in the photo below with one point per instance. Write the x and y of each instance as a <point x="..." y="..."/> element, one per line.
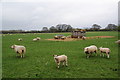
<point x="45" y="29"/>
<point x="111" y="27"/>
<point x="63" y="27"/>
<point x="96" y="27"/>
<point x="52" y="29"/>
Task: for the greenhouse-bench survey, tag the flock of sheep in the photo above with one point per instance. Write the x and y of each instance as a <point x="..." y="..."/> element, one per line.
<point x="21" y="50"/>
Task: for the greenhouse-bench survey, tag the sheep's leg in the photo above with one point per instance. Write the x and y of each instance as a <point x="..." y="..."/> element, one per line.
<point x="103" y="54"/>
<point x="20" y="55"/>
<point x="88" y="55"/>
<point x="63" y="63"/>
<point x="107" y="55"/>
<point x="66" y="63"/>
<point x="23" y="55"/>
<point x="96" y="53"/>
<point x="58" y="64"/>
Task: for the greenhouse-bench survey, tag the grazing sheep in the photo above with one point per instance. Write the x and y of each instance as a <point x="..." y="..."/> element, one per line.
<point x="89" y="50"/>
<point x="20" y="39"/>
<point x="19" y="50"/>
<point x="118" y="42"/>
<point x="83" y="37"/>
<point x="59" y="59"/>
<point x="104" y="50"/>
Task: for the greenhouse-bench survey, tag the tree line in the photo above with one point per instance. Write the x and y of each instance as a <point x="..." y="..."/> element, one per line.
<point x="65" y="28"/>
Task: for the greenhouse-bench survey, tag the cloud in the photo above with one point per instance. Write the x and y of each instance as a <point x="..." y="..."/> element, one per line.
<point x="35" y="14"/>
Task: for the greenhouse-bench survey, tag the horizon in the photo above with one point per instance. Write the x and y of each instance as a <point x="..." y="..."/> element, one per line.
<point x="34" y="15"/>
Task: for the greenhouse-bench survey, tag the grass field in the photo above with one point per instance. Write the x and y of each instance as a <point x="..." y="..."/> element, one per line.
<point x="39" y="62"/>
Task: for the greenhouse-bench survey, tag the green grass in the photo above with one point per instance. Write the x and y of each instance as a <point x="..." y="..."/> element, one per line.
<point x="39" y="62"/>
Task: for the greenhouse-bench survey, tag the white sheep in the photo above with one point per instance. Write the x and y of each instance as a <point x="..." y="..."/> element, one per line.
<point x="38" y="38"/>
<point x="59" y="59"/>
<point x="118" y="42"/>
<point x="20" y="39"/>
<point x="89" y="50"/>
<point x="35" y="39"/>
<point x="63" y="37"/>
<point x="104" y="50"/>
<point x="21" y="50"/>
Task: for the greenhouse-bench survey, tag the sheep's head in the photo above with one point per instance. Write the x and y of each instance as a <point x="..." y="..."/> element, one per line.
<point x="13" y="46"/>
<point x="86" y="50"/>
<point x="100" y="48"/>
<point x="55" y="55"/>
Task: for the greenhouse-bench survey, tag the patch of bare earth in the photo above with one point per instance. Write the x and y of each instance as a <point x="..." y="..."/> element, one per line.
<point x="74" y="39"/>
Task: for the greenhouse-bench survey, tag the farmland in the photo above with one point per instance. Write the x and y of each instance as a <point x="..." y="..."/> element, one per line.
<point x="39" y="62"/>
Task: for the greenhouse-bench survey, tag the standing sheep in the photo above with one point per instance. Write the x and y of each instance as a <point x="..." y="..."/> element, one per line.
<point x="21" y="50"/>
<point x="59" y="59"/>
<point x="89" y="50"/>
<point x="104" y="50"/>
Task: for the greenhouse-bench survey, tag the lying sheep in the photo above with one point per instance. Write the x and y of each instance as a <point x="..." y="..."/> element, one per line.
<point x="20" y="39"/>
<point x="89" y="50"/>
<point x="63" y="37"/>
<point x="83" y="37"/>
<point x="38" y="38"/>
<point x="104" y="50"/>
<point x="118" y="42"/>
<point x="19" y="50"/>
<point x="35" y="39"/>
<point x="59" y="59"/>
<point x="56" y="37"/>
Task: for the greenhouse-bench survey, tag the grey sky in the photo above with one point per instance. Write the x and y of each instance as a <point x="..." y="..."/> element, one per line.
<point x="35" y="14"/>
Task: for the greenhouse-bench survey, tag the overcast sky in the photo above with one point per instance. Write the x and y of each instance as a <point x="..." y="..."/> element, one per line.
<point x="35" y="14"/>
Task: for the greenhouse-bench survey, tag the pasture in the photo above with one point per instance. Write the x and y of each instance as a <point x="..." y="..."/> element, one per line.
<point x="39" y="62"/>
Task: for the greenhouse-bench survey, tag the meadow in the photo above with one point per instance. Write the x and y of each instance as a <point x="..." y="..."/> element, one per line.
<point x="39" y="62"/>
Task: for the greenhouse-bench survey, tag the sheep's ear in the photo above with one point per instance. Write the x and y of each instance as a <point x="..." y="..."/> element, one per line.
<point x="53" y="55"/>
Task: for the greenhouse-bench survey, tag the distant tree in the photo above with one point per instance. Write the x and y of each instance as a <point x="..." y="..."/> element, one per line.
<point x="45" y="29"/>
<point x="69" y="28"/>
<point x="111" y="27"/>
<point x="52" y="29"/>
<point x="96" y="27"/>
<point x="63" y="27"/>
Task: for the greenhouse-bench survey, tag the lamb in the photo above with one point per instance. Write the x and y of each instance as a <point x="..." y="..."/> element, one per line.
<point x="118" y="42"/>
<point x="59" y="59"/>
<point x="21" y="50"/>
<point x="104" y="50"/>
<point x="20" y="39"/>
<point x="89" y="50"/>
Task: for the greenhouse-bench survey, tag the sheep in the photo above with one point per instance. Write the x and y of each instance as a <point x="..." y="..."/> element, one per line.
<point x="104" y="50"/>
<point x="59" y="59"/>
<point x="83" y="37"/>
<point x="63" y="37"/>
<point x="21" y="50"/>
<point x="89" y="50"/>
<point x="20" y="39"/>
<point x="35" y="39"/>
<point x="118" y="42"/>
<point x="56" y="37"/>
